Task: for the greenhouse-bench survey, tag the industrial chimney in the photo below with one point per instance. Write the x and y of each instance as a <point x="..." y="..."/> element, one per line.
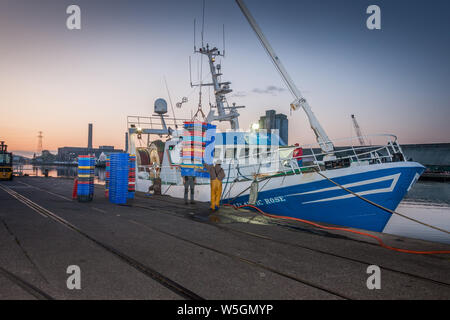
<point x="90" y="136"/>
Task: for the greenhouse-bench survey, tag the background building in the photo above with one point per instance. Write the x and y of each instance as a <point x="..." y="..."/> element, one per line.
<point x="69" y="154"/>
<point x="272" y="121"/>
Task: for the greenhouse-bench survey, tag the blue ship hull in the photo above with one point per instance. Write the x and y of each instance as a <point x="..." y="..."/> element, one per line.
<point x="317" y="199"/>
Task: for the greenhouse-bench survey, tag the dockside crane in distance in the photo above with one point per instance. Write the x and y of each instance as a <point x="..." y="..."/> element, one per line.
<point x="358" y="131"/>
<point x="322" y="138"/>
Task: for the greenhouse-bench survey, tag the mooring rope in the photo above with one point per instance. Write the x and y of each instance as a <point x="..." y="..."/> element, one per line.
<point x="380" y="242"/>
<point x="380" y="206"/>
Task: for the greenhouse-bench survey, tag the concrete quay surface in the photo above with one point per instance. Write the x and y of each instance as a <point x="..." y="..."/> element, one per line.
<point x="155" y="247"/>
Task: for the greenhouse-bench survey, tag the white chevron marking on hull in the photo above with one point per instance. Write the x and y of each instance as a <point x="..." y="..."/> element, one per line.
<point x="394" y="178"/>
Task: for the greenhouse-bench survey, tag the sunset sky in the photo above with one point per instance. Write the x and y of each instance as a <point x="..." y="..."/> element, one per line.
<point x="395" y="80"/>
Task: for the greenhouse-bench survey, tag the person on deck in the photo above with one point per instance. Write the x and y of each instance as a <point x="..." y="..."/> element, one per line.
<point x="298" y="155"/>
<point x="216" y="175"/>
<point x="189" y="183"/>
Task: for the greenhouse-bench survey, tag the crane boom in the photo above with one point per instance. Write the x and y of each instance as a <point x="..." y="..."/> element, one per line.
<point x="321" y="136"/>
<point x="358" y="131"/>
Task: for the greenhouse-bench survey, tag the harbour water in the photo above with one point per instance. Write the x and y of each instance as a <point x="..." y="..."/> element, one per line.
<point x="427" y="201"/>
<point x="59" y="172"/>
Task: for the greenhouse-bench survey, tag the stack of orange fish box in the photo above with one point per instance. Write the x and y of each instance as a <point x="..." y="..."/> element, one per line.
<point x="196" y="137"/>
<point x="107" y="176"/>
<point x="132" y="176"/>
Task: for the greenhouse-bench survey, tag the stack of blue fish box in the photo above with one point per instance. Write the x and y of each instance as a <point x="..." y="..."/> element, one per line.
<point x="108" y="170"/>
<point x="85" y="188"/>
<point x="118" y="178"/>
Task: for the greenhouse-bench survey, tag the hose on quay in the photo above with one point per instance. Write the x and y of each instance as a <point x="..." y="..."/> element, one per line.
<point x="380" y="242"/>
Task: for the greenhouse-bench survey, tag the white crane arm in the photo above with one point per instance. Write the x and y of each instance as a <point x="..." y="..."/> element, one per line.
<point x="358" y="131"/>
<point x="300" y="101"/>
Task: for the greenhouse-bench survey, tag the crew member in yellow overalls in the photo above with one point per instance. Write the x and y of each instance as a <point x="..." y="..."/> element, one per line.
<point x="216" y="175"/>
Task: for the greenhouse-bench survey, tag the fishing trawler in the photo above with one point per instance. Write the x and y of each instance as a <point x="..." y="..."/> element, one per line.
<point x="337" y="182"/>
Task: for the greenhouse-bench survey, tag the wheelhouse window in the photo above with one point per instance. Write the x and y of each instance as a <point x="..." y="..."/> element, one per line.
<point x="230" y="153"/>
<point x="217" y="152"/>
<point x="244" y="152"/>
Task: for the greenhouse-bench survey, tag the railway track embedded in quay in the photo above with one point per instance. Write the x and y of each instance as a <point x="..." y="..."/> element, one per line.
<point x="144" y="269"/>
<point x="25" y="285"/>
<point x="161" y="209"/>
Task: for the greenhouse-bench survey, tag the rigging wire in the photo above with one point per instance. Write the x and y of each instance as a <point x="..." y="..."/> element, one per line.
<point x="171" y="105"/>
<point x="203" y="21"/>
<point x="199" y="108"/>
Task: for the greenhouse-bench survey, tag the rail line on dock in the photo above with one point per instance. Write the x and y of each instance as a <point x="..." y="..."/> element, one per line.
<point x="230" y="255"/>
<point x="255" y="235"/>
<point x="25" y="285"/>
<point x="248" y="261"/>
<point x="163" y="211"/>
<point x="147" y="271"/>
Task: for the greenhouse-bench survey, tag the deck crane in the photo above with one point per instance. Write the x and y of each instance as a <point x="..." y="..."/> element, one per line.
<point x="358" y="131"/>
<point x="325" y="144"/>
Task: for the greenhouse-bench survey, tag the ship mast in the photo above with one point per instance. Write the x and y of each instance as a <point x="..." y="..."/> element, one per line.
<point x="322" y="138"/>
<point x="224" y="113"/>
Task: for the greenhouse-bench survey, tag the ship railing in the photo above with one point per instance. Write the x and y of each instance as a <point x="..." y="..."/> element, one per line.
<point x="270" y="163"/>
<point x="154" y="122"/>
<point x="144" y="168"/>
<point x="149" y="172"/>
<point x="314" y="159"/>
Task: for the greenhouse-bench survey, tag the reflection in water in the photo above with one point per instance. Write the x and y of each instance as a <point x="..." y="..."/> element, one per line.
<point x="432" y="192"/>
<point x="438" y="216"/>
<point x="60" y="172"/>
<point x="428" y="202"/>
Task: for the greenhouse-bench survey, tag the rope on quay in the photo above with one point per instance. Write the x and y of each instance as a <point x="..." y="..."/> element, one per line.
<point x="380" y="242"/>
